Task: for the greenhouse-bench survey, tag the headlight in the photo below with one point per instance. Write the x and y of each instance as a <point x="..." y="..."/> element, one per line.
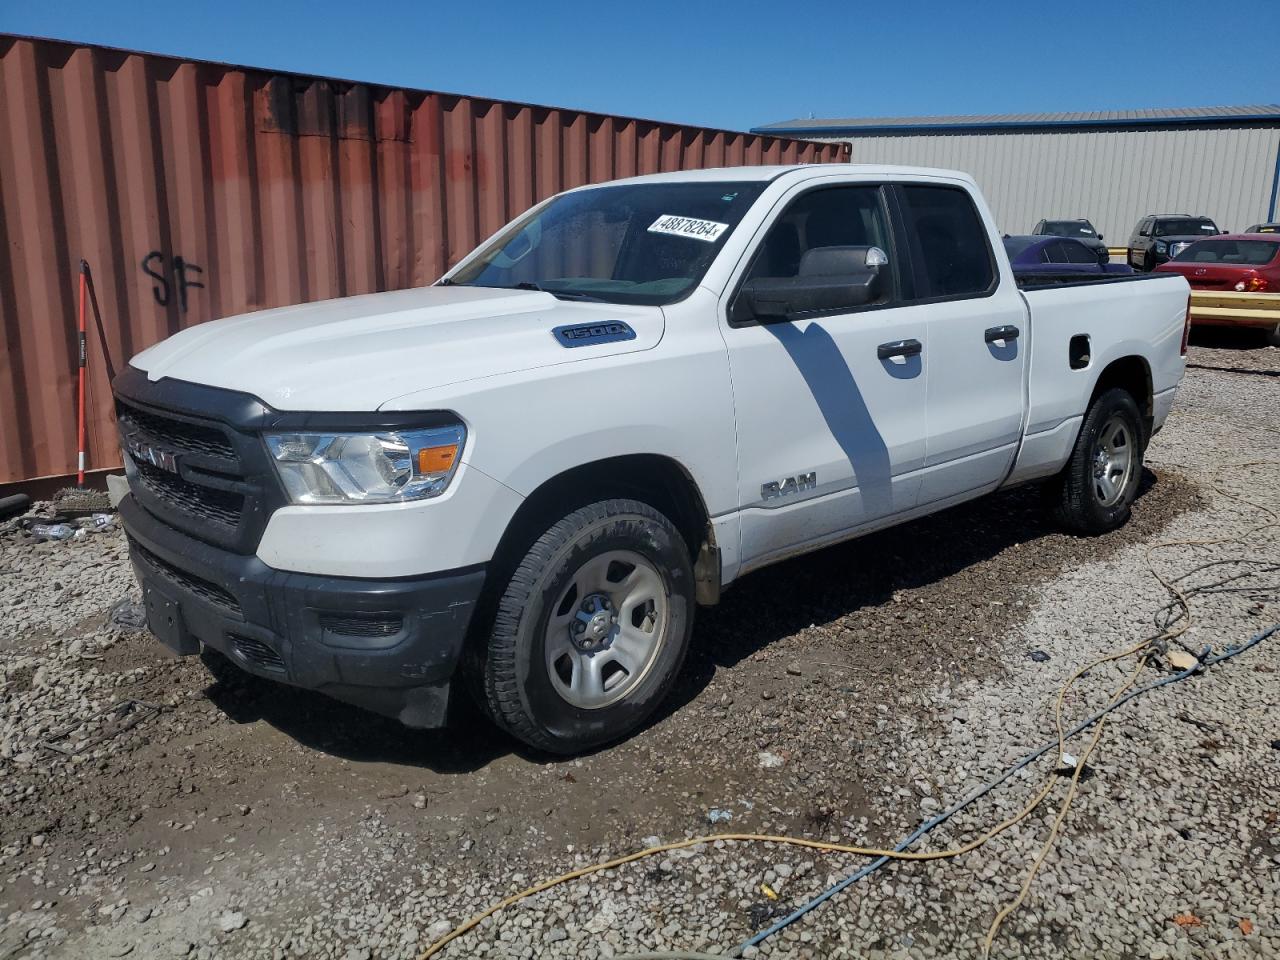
<point x="389" y="467"/>
<point x="1160" y="246"/>
<point x="1177" y="248"/>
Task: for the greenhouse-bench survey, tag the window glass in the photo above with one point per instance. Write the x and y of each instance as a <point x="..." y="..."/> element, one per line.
<point x="1055" y="253"/>
<point x="955" y="256"/>
<point x="1185" y="227"/>
<point x="1079" y="253"/>
<point x="1070" y="228"/>
<point x="647" y="243"/>
<point x="835" y="217"/>
<point x="1254" y="253"/>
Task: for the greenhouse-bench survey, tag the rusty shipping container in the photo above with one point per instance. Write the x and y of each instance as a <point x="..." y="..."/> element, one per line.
<point x="199" y="190"/>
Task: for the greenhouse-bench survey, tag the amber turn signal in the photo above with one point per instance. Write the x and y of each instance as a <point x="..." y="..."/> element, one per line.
<point x="436" y="459"/>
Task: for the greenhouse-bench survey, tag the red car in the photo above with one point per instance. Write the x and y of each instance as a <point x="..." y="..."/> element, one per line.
<point x="1240" y="262"/>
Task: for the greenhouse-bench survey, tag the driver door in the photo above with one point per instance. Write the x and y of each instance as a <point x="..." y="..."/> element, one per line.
<point x="830" y="419"/>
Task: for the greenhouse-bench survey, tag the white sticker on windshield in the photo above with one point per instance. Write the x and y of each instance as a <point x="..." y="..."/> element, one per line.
<point x="707" y="230"/>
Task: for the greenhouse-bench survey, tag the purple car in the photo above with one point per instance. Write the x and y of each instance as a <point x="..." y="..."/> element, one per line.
<point x="1058" y="256"/>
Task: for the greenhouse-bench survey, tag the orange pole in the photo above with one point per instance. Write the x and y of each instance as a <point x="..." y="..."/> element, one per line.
<point x="84" y="269"/>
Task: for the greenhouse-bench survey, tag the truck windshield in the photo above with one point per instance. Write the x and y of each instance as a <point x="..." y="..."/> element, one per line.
<point x="1253" y="253"/>
<point x="1069" y="228"/>
<point x="642" y="243"/>
<point x="1189" y="227"/>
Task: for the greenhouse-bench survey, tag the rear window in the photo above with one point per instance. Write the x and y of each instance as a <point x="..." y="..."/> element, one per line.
<point x="1250" y="253"/>
<point x="1079" y="253"/>
<point x="955" y="257"/>
<point x="1185" y="227"/>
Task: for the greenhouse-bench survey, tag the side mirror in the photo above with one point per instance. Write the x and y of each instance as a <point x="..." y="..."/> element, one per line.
<point x="779" y="299"/>
<point x="1101" y="238"/>
<point x="830" y="280"/>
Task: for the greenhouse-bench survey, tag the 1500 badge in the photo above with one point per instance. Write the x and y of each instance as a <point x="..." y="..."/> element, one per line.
<point x="781" y="488"/>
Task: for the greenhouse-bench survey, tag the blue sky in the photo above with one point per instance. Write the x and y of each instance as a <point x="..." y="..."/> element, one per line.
<point x="726" y="64"/>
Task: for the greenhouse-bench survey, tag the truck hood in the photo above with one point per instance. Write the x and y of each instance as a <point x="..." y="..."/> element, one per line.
<point x="358" y="353"/>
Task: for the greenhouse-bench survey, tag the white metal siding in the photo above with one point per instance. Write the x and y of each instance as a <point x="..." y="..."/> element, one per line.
<point x="1112" y="177"/>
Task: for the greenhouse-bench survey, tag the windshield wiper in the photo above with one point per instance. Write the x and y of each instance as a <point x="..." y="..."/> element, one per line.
<point x="558" y="294"/>
<point x="528" y="285"/>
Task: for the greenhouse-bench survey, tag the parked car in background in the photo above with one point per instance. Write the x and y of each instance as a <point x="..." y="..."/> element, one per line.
<point x="1264" y="228"/>
<point x="1054" y="255"/>
<point x="1239" y="262"/>
<point x="1162" y="236"/>
<point x="1081" y="230"/>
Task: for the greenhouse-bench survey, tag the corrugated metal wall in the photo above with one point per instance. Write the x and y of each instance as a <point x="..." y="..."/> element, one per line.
<point x="199" y="190"/>
<point x="1112" y="177"/>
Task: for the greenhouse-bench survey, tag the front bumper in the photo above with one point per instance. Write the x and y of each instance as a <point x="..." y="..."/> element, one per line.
<point x="390" y="646"/>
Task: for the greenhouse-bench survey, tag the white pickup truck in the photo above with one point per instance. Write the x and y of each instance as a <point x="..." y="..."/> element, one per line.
<point x="531" y="473"/>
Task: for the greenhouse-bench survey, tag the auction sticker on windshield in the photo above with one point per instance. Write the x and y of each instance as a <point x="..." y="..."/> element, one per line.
<point x="707" y="230"/>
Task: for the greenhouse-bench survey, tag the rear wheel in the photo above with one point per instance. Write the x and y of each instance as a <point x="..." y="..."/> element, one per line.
<point x="1095" y="490"/>
<point x="591" y="629"/>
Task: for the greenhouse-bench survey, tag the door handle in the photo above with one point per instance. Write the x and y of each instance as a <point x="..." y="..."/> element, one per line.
<point x="899" y="348"/>
<point x="1007" y="332"/>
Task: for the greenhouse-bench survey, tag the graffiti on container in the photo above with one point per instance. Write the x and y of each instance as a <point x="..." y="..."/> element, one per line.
<point x="172" y="276"/>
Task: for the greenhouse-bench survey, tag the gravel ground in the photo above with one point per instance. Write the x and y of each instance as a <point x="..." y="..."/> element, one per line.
<point x="843" y="700"/>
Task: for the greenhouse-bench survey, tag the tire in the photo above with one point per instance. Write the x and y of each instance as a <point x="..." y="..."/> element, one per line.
<point x="1095" y="490"/>
<point x="591" y="628"/>
<point x="1272" y="336"/>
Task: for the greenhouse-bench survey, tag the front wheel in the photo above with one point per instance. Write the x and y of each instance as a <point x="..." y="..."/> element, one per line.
<point x="591" y="629"/>
<point x="1095" y="490"/>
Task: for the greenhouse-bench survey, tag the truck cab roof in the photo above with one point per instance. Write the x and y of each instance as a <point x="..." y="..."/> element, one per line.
<point x="798" y="170"/>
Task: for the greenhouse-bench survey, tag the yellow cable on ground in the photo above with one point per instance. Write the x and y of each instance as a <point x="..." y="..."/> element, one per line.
<point x="1167" y="633"/>
<point x="820" y="845"/>
<point x="1009" y="908"/>
<point x="1142" y="647"/>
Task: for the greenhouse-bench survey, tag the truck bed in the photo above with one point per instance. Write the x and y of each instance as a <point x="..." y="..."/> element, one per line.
<point x="1077" y="329"/>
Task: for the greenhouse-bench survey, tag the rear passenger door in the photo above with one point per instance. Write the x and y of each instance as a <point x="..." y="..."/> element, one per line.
<point x="977" y="327"/>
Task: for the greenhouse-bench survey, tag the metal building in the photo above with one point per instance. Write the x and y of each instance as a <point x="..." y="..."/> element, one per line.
<point x="199" y="190"/>
<point x="1112" y="167"/>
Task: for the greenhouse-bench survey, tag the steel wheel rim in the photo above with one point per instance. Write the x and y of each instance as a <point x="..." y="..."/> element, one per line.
<point x="606" y="629"/>
<point x="1113" y="461"/>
